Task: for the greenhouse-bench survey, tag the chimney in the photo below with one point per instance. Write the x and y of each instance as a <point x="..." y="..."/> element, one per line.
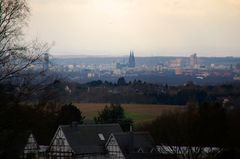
<point x="131" y="140"/>
<point x="131" y="128"/>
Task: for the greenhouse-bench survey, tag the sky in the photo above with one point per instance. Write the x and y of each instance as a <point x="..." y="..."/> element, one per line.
<point x="149" y="27"/>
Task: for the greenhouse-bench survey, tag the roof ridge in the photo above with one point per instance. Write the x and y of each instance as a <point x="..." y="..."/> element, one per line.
<point x="82" y="125"/>
<point x="137" y="133"/>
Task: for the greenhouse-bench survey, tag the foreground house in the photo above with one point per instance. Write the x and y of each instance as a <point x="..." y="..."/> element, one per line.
<point x="32" y="149"/>
<point x="81" y="141"/>
<point x="130" y="145"/>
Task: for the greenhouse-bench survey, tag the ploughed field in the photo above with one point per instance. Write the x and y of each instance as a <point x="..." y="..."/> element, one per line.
<point x="138" y="112"/>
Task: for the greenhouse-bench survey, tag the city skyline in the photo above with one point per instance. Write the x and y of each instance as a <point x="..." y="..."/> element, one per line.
<point x="150" y="28"/>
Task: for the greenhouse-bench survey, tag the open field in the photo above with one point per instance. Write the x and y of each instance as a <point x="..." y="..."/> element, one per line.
<point x="138" y="112"/>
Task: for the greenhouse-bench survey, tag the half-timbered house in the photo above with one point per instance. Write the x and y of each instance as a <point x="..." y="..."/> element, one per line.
<point x="126" y="145"/>
<point x="32" y="149"/>
<point x="81" y="141"/>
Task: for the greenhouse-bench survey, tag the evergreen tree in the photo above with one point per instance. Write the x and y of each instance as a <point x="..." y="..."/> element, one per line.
<point x="114" y="114"/>
<point x="70" y="113"/>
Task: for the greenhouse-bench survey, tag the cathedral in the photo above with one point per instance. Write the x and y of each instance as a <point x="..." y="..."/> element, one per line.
<point x="131" y="61"/>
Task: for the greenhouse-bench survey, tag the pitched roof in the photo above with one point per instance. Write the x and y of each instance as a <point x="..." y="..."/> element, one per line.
<point x="85" y="139"/>
<point x="131" y="142"/>
<point x="31" y="143"/>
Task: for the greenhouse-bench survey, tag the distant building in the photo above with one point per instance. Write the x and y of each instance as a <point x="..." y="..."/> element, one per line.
<point x="131" y="61"/>
<point x="236" y="78"/>
<point x="91" y="75"/>
<point x="121" y="65"/>
<point x="178" y="71"/>
<point x="193" y="61"/>
<point x="81" y="141"/>
<point x="46" y="62"/>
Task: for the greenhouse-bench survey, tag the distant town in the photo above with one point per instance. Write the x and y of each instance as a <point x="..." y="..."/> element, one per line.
<point x="170" y="70"/>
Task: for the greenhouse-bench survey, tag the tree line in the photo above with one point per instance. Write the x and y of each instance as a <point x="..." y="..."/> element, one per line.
<point x="206" y="125"/>
<point x="16" y="121"/>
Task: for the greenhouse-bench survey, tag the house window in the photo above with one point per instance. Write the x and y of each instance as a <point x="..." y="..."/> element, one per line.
<point x="101" y="137"/>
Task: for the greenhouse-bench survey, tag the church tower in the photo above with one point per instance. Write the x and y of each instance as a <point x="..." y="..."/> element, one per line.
<point x="131" y="61"/>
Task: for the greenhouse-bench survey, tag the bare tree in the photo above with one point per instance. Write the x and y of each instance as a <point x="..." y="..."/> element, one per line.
<point x="190" y="152"/>
<point x="15" y="54"/>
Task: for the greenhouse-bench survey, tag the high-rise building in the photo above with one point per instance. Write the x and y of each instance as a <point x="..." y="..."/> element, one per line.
<point x="45" y="62"/>
<point x="131" y="61"/>
<point x="193" y="60"/>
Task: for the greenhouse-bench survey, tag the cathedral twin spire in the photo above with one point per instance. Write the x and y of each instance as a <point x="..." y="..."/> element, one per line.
<point x="131" y="62"/>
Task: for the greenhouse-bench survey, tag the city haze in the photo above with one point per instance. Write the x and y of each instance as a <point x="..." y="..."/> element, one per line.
<point x="149" y="27"/>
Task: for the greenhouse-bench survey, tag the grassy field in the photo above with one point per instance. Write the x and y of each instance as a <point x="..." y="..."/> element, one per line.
<point x="138" y="112"/>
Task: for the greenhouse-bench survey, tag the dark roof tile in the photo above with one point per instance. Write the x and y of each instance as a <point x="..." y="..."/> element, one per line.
<point x="131" y="142"/>
<point x="84" y="139"/>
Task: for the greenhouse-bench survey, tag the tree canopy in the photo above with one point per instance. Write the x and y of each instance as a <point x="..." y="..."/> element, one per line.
<point x="70" y="113"/>
<point x="113" y="114"/>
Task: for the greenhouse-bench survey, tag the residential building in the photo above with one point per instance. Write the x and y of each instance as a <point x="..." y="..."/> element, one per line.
<point x="129" y="145"/>
<point x="32" y="149"/>
<point x="81" y="141"/>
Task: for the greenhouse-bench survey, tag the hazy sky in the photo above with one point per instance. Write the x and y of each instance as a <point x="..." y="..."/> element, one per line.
<point x="149" y="27"/>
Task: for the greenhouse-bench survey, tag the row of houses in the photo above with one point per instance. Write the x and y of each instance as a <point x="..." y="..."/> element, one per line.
<point x="93" y="141"/>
